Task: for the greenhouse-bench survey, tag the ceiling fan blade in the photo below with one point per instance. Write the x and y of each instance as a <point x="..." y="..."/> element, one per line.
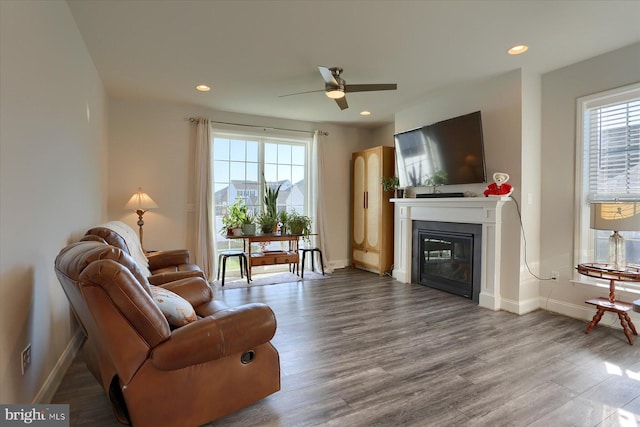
<point x="300" y="93"/>
<point x="342" y="103"/>
<point x="368" y="88"/>
<point x="327" y="76"/>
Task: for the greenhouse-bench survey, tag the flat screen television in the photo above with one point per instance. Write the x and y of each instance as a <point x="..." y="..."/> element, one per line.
<point x="444" y="153"/>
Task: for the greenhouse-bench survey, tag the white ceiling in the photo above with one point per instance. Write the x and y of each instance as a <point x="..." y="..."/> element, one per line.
<point x="251" y="51"/>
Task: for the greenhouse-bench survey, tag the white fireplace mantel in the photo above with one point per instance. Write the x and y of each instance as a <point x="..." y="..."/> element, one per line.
<point x="470" y="210"/>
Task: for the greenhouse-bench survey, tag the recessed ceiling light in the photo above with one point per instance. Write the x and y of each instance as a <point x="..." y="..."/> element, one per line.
<point x="203" y="88"/>
<point x="365" y="113"/>
<point x="517" y="50"/>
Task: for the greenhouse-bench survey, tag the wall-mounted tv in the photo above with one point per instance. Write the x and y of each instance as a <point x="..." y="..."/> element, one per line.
<point x="444" y="153"/>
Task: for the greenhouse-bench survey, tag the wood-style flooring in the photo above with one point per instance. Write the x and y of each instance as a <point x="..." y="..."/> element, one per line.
<point x="357" y="349"/>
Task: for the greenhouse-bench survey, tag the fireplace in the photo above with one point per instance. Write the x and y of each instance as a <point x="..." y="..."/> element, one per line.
<point x="499" y="256"/>
<point x="447" y="256"/>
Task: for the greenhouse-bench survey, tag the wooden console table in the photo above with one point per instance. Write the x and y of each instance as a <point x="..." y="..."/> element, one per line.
<point x="289" y="256"/>
<point x="602" y="271"/>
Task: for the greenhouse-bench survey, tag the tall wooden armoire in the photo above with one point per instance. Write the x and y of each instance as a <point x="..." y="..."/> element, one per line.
<point x="372" y="239"/>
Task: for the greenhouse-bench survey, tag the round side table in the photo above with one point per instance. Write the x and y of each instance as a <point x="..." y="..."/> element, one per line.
<point x="603" y="271"/>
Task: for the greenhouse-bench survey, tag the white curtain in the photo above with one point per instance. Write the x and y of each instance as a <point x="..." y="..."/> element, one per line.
<point x="205" y="241"/>
<point x="318" y="172"/>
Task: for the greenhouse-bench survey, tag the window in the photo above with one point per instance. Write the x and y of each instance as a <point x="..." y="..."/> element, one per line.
<point x="241" y="163"/>
<point x="608" y="165"/>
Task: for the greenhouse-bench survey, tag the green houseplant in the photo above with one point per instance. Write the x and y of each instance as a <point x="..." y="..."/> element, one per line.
<point x="268" y="219"/>
<point x="267" y="222"/>
<point x="299" y="224"/>
<point x="283" y="220"/>
<point x="248" y="224"/>
<point x="234" y="217"/>
<point x="271" y="193"/>
<point x="392" y="183"/>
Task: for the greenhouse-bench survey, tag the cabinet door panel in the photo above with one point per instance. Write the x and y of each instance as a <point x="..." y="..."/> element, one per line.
<point x="358" y="200"/>
<point x="373" y="196"/>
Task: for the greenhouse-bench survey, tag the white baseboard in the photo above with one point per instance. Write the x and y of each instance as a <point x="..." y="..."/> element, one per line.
<point x="520" y="307"/>
<point x="50" y="386"/>
<point x="340" y="263"/>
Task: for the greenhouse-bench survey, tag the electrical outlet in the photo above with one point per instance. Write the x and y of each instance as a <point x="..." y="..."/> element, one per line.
<point x="26" y="358"/>
<point x="555" y="275"/>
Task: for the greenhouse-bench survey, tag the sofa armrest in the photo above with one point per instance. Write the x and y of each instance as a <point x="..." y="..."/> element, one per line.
<point x="193" y="289"/>
<point x="163" y="259"/>
<point x="223" y="333"/>
<point x="162" y="278"/>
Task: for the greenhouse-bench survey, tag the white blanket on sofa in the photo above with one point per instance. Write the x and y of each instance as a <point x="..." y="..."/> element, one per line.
<point x="133" y="243"/>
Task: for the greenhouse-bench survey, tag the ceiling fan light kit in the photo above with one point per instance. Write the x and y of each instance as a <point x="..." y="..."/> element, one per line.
<point x="335" y="93"/>
<point x="336" y="88"/>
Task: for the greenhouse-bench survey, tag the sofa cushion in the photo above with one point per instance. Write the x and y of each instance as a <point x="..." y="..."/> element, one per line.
<point x="176" y="309"/>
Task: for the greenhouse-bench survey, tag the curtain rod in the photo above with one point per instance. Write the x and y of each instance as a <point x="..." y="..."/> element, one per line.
<point x="195" y="120"/>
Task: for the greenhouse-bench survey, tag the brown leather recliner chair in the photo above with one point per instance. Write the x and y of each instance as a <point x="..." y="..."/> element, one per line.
<point x="164" y="266"/>
<point x="156" y="375"/>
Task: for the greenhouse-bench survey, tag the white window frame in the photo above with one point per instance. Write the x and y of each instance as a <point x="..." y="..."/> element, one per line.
<point x="584" y="236"/>
<point x="266" y="136"/>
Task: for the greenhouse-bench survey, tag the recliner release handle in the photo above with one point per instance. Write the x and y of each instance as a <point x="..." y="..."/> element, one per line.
<point x="247" y="357"/>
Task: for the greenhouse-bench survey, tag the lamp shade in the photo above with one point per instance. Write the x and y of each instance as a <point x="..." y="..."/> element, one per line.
<point x="623" y="216"/>
<point x="140" y="201"/>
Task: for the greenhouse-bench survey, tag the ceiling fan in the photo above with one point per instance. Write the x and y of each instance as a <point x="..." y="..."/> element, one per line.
<point x="336" y="88"/>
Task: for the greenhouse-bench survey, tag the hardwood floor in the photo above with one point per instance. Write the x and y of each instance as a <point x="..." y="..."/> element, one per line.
<point x="362" y="350"/>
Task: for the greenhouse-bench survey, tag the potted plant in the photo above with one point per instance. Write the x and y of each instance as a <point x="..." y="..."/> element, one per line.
<point x="283" y="219"/>
<point x="267" y="222"/>
<point x="271" y="193"/>
<point x="234" y="218"/>
<point x="392" y="183"/>
<point x="248" y="224"/>
<point x="299" y="224"/>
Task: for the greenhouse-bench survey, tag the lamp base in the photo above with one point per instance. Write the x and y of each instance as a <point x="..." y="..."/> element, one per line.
<point x="617" y="254"/>
<point x="140" y="212"/>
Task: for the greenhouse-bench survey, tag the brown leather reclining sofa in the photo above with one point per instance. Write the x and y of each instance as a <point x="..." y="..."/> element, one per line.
<point x="154" y="374"/>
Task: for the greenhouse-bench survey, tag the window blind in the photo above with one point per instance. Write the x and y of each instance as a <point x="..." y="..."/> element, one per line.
<point x="612" y="139"/>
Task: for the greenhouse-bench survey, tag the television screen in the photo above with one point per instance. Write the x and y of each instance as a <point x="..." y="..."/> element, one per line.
<point x="444" y="153"/>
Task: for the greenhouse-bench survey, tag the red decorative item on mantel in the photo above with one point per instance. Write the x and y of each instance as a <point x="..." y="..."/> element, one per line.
<point x="499" y="188"/>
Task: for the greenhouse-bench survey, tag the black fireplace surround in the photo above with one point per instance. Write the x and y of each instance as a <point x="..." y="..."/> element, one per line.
<point x="447" y="256"/>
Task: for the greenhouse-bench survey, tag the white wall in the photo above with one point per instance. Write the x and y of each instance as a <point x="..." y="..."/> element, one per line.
<point x="560" y="91"/>
<point x="530" y="193"/>
<point x="152" y="145"/>
<point x="382" y="135"/>
<point x="52" y="185"/>
<point x="500" y="100"/>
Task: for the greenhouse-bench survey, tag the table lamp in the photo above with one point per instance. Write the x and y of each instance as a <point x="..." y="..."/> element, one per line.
<point x="616" y="216"/>
<point x="140" y="202"/>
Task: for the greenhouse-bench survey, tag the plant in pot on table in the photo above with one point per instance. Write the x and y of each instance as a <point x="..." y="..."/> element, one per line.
<point x="267" y="223"/>
<point x="283" y="220"/>
<point x="233" y="219"/>
<point x="268" y="219"/>
<point x="299" y="224"/>
<point x="248" y="224"/>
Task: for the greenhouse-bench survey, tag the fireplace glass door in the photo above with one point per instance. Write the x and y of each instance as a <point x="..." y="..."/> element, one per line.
<point x="447" y="261"/>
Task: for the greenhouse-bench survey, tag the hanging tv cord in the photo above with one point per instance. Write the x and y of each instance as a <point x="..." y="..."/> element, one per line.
<point x="524" y="239"/>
